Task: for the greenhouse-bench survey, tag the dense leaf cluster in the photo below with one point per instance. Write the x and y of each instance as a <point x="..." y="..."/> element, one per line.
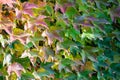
<point x="59" y="39"/>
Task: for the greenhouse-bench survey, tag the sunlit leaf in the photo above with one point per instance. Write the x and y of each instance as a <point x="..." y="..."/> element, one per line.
<point x="2" y="40"/>
<point x="7" y="59"/>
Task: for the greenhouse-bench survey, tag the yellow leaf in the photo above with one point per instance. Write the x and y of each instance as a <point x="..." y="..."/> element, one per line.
<point x="13" y="76"/>
<point x="88" y="66"/>
<point x="17" y="31"/>
<point x="41" y="70"/>
<point x="55" y="66"/>
<point x="19" y="47"/>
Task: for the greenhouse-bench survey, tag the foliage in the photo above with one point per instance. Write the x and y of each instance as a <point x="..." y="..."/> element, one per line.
<point x="59" y="39"/>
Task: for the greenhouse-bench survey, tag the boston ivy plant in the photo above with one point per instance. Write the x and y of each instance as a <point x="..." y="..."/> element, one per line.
<point x="59" y="39"/>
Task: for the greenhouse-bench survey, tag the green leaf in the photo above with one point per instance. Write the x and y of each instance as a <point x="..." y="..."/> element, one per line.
<point x="83" y="54"/>
<point x="2" y="77"/>
<point x="27" y="76"/>
<point x="70" y="12"/>
<point x="18" y="46"/>
<point x="49" y="9"/>
<point x="48" y="68"/>
<point x="25" y="62"/>
<point x="29" y="45"/>
<point x="65" y="44"/>
<point x="73" y="33"/>
<point x="67" y="62"/>
<point x="48" y="51"/>
<point x="70" y="76"/>
<point x="115" y="68"/>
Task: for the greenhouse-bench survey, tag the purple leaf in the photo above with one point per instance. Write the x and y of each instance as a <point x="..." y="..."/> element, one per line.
<point x="27" y="5"/>
<point x="27" y="8"/>
<point x="76" y="27"/>
<point x="86" y="23"/>
<point x="115" y="13"/>
<point x="62" y="7"/>
<point x="18" y="13"/>
<point x="42" y="23"/>
<point x="51" y="36"/>
<point x="28" y="11"/>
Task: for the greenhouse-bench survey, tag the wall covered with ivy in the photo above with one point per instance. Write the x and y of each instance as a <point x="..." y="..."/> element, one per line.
<point x="59" y="39"/>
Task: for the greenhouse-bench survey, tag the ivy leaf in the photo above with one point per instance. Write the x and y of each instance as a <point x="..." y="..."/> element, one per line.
<point x="66" y="62"/>
<point x="47" y="70"/>
<point x="27" y="8"/>
<point x="2" y="40"/>
<point x="18" y="47"/>
<point x="49" y="9"/>
<point x="48" y="51"/>
<point x="39" y="21"/>
<point x="7" y="59"/>
<point x="42" y="73"/>
<point x="8" y="27"/>
<point x="9" y="2"/>
<point x="25" y="62"/>
<point x="18" y="13"/>
<point x="26" y="76"/>
<point x="17" y="31"/>
<point x="29" y="45"/>
<point x="51" y="36"/>
<point x="62" y="7"/>
<point x="88" y="66"/>
<point x="115" y="67"/>
<point x="73" y="33"/>
<point x="70" y="12"/>
<point x="83" y="54"/>
<point x="115" y="13"/>
<point x="65" y="45"/>
<point x="15" y="67"/>
<point x="22" y="38"/>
